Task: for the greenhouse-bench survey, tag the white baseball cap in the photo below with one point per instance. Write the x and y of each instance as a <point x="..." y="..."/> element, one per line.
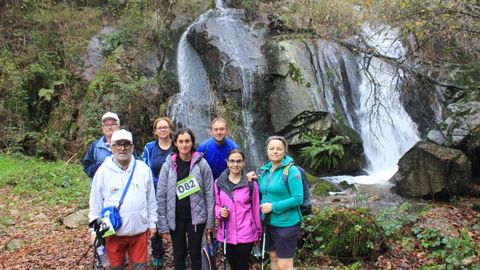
<point x="121" y="134"/>
<point x="111" y="115"/>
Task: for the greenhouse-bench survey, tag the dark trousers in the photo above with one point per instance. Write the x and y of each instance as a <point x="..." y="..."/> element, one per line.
<point x="238" y="255"/>
<point x="184" y="229"/>
<point x="157" y="246"/>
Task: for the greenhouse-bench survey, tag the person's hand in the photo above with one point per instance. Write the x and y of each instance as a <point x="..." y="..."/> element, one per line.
<point x="165" y="236"/>
<point x="224" y="212"/>
<point x="251" y="176"/>
<point x="151" y="232"/>
<point x="266" y="208"/>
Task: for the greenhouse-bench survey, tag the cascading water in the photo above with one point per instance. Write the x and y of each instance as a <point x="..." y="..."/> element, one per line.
<point x="386" y="129"/>
<point x="244" y="54"/>
<point x="191" y="106"/>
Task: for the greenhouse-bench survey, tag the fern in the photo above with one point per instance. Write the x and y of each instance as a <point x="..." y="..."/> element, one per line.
<point x="322" y="151"/>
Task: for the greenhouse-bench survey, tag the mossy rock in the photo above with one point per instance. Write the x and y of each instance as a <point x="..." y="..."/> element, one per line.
<point x="343" y="233"/>
<point x="321" y="187"/>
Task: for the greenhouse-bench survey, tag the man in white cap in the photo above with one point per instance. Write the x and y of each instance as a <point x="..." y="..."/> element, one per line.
<point x="138" y="210"/>
<point x="100" y="149"/>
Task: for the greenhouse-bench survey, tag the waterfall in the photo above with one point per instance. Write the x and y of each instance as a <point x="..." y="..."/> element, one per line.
<point x="241" y="46"/>
<point x="386" y="129"/>
<point x="191" y="107"/>
<point x="219" y="4"/>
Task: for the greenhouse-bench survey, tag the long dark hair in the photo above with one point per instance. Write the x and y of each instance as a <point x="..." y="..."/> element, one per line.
<point x="181" y="131"/>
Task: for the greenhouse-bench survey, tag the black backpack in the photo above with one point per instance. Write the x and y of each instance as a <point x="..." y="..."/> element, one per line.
<point x="306" y="207"/>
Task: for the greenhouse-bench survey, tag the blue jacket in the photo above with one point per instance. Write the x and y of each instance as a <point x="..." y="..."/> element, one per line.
<point x="148" y="154"/>
<point x="96" y="153"/>
<point x="216" y="155"/>
<point x="285" y="211"/>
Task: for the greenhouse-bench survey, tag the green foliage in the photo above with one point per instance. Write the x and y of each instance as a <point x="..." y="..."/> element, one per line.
<point x="392" y="220"/>
<point x="295" y="73"/>
<point x="321" y="187"/>
<point x="447" y="250"/>
<point x="322" y="151"/>
<point x="325" y="18"/>
<point x="50" y="182"/>
<point x="39" y="57"/>
<point x="343" y="233"/>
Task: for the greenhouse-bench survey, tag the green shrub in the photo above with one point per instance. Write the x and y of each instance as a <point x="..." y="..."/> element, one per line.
<point x="392" y="220"/>
<point x="322" y="151"/>
<point x="343" y="233"/>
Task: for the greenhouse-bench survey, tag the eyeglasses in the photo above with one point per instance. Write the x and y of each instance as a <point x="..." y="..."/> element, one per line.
<point x="110" y="126"/>
<point x="126" y="146"/>
<point x="163" y="128"/>
<point x="235" y="161"/>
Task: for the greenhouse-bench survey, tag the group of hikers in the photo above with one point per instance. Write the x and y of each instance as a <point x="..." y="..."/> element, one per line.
<point x="176" y="190"/>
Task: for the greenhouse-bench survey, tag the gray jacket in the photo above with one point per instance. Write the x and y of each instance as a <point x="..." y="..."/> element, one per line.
<point x="202" y="202"/>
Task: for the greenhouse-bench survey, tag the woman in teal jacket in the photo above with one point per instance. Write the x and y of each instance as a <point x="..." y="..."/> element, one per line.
<point x="280" y="208"/>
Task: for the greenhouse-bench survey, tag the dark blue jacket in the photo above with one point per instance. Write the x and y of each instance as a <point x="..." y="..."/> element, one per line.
<point x="149" y="153"/>
<point x="96" y="153"/>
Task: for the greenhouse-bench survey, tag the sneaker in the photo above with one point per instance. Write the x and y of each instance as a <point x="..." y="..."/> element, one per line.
<point x="157" y="263"/>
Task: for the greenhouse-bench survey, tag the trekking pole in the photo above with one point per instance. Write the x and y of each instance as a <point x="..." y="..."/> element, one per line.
<point x="265" y="221"/>
<point x="224" y="244"/>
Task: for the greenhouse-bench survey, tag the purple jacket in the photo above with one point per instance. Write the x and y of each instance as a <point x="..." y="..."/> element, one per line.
<point x="243" y="223"/>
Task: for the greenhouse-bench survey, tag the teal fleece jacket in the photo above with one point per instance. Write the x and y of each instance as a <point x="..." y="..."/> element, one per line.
<point x="285" y="206"/>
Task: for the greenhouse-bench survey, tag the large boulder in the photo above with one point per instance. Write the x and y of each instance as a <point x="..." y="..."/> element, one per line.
<point x="295" y="87"/>
<point x="461" y="130"/>
<point x="431" y="170"/>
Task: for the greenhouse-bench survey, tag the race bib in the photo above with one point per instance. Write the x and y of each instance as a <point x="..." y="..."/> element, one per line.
<point x="187" y="187"/>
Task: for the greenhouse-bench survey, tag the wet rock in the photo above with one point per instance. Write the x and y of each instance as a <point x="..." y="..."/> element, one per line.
<point x="461" y="130"/>
<point x="295" y="87"/>
<point x="77" y="219"/>
<point x="434" y="171"/>
<point x="14" y="244"/>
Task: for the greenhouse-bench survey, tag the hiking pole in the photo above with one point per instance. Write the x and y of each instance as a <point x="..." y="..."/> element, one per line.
<point x="265" y="221"/>
<point x="224" y="244"/>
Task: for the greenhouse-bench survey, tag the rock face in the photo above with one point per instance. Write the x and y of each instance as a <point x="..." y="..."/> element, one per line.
<point x="295" y="87"/>
<point x="431" y="170"/>
<point x="461" y="130"/>
<point x="312" y="90"/>
<point x="231" y="52"/>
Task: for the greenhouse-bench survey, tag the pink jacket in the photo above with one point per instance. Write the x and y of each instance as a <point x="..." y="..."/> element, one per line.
<point x="243" y="222"/>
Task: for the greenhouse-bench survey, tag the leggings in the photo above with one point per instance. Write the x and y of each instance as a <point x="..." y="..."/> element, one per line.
<point x="184" y="228"/>
<point x="238" y="255"/>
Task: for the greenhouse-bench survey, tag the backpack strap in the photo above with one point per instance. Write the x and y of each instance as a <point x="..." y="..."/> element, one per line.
<point x="286" y="170"/>
<point x="128" y="184"/>
<point x="250" y="188"/>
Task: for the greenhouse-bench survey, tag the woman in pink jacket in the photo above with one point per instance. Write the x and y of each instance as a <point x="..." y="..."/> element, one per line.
<point x="237" y="207"/>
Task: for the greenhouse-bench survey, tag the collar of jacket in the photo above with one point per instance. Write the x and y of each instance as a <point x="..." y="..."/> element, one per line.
<point x="268" y="167"/>
<point x="223" y="184"/>
<point x="196" y="157"/>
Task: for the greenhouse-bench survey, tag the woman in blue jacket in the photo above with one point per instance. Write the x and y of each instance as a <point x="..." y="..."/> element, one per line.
<point x="154" y="155"/>
<point x="281" y="208"/>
